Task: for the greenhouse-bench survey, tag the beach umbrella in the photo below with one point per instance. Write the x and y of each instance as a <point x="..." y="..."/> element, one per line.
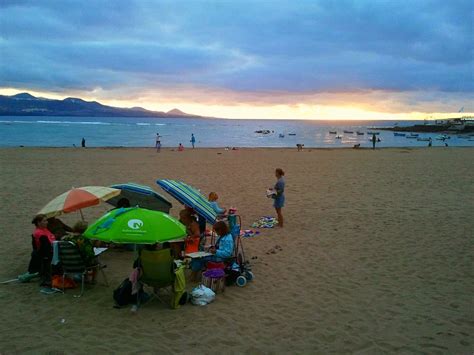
<point x="77" y="199"/>
<point x="140" y="195"/>
<point x="136" y="226"/>
<point x="190" y="197"/>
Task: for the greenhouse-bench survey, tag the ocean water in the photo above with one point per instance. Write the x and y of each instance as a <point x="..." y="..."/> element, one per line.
<point x="140" y="132"/>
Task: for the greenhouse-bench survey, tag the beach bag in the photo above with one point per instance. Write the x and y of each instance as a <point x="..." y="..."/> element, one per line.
<point x="202" y="295"/>
<point x="123" y="294"/>
<point x="57" y="282"/>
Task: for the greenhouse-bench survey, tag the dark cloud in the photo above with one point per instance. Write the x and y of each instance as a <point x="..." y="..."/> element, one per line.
<point x="243" y="46"/>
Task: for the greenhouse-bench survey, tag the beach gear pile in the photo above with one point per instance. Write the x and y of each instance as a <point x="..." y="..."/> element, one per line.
<point x="265" y="222"/>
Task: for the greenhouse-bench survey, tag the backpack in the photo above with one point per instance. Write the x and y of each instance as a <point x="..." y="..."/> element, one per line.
<point x="123" y="293"/>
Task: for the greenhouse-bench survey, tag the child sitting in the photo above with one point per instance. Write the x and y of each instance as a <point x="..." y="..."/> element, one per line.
<point x="213" y="202"/>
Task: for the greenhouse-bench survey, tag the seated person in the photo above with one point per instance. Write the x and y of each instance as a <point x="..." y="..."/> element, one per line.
<point x="192" y="230"/>
<point x="42" y="249"/>
<point x="222" y="250"/>
<point x="85" y="246"/>
<point x="123" y="203"/>
<point x="213" y="197"/>
<point x="58" y="227"/>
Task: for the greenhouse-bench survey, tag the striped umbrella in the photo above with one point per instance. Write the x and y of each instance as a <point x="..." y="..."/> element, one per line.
<point x="140" y="195"/>
<point x="78" y="198"/>
<point x="189" y="196"/>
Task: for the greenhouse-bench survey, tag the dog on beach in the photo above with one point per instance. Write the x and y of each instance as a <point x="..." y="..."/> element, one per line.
<point x="300" y="147"/>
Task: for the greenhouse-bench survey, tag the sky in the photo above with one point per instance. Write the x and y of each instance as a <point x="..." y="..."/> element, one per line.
<point x="306" y="59"/>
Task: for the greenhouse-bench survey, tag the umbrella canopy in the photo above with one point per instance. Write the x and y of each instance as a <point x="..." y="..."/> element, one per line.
<point x="137" y="226"/>
<point x="140" y="195"/>
<point x="78" y="198"/>
<point x="189" y="196"/>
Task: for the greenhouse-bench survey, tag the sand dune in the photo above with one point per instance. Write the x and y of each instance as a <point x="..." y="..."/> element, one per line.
<point x="375" y="257"/>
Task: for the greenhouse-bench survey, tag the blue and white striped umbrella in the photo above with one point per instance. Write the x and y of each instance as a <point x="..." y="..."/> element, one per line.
<point x="140" y="195"/>
<point x="189" y="196"/>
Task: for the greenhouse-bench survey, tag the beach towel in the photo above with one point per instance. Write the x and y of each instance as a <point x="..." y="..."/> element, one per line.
<point x="265" y="222"/>
<point x="249" y="233"/>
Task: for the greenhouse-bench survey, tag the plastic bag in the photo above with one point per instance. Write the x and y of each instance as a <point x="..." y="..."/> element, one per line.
<point x="202" y="295"/>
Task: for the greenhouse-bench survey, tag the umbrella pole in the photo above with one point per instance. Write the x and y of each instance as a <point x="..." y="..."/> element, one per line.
<point x="82" y="216"/>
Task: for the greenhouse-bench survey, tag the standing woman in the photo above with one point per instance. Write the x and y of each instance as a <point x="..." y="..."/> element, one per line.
<point x="279" y="196"/>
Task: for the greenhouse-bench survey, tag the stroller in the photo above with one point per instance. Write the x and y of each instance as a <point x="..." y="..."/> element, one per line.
<point x="238" y="269"/>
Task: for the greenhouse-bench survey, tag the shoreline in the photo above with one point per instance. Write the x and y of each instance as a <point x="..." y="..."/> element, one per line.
<point x="173" y="149"/>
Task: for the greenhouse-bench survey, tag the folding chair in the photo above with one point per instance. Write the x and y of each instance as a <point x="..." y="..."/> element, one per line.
<point x="157" y="271"/>
<point x="73" y="264"/>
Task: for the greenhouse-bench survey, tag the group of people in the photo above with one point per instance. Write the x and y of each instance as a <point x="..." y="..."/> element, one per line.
<point x="180" y="146"/>
<point x="46" y="232"/>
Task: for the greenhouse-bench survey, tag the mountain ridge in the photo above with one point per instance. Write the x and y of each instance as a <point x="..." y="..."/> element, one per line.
<point x="25" y="104"/>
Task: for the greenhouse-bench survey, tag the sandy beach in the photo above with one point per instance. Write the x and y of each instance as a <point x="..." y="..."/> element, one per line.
<point x="375" y="256"/>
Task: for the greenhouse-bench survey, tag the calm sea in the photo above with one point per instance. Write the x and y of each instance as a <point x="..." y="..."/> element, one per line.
<point x="141" y="132"/>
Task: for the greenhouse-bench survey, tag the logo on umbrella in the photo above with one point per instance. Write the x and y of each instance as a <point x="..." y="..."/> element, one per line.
<point x="135" y="223"/>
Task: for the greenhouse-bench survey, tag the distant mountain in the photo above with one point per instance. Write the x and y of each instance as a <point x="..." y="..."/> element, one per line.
<point x="25" y="104"/>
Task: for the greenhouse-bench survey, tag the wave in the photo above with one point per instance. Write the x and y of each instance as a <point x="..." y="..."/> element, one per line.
<point x="77" y="122"/>
<point x="143" y="124"/>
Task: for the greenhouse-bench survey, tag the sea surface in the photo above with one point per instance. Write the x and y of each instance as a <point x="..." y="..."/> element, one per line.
<point x="141" y="132"/>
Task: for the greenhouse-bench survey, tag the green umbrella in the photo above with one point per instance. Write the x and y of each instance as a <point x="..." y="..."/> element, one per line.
<point x="136" y="226"/>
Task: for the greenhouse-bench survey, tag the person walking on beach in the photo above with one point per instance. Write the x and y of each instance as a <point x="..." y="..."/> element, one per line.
<point x="193" y="140"/>
<point x="83" y="142"/>
<point x="158" y="142"/>
<point x="374" y="139"/>
<point x="279" y="195"/>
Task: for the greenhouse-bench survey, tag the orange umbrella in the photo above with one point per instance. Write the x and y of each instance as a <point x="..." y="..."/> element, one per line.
<point x="78" y="198"/>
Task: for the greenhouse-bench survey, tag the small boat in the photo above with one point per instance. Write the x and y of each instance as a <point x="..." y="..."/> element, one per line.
<point x="360" y="133"/>
<point x="292" y="134"/>
<point x="376" y="133"/>
<point x="338" y="137"/>
<point x="281" y="135"/>
<point x="332" y="132"/>
<point x="351" y="132"/>
<point x="396" y="134"/>
<point x="263" y="131"/>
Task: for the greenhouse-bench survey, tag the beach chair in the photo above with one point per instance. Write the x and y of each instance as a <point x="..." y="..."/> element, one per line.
<point x="72" y="263"/>
<point x="158" y="271"/>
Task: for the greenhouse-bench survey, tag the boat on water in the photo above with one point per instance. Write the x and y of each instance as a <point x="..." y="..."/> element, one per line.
<point x="264" y="131"/>
<point x="396" y="134"/>
<point x="360" y="133"/>
<point x="332" y="132"/>
<point x="292" y="134"/>
<point x="351" y="132"/>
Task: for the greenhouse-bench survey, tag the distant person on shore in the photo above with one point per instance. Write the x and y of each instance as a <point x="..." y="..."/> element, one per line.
<point x="83" y="142"/>
<point x="374" y="139"/>
<point x="158" y="142"/>
<point x="279" y="194"/>
<point x="430" y="143"/>
<point x="193" y="139"/>
<point x="180" y="147"/>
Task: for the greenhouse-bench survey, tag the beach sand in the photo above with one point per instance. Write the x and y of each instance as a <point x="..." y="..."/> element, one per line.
<point x="375" y="256"/>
